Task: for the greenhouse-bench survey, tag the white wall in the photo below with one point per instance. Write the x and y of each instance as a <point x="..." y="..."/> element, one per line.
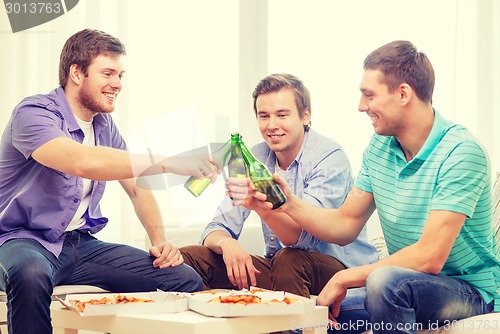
<point x="325" y="42"/>
<point x="196" y="62"/>
<point x="180" y="89"/>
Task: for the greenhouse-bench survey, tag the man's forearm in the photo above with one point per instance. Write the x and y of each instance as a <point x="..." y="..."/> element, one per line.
<point x="149" y="215"/>
<point x="214" y="239"/>
<point x="282" y="225"/>
<point x="323" y="223"/>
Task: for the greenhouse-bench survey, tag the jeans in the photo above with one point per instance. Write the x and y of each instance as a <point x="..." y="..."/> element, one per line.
<point x="402" y="301"/>
<point x="29" y="273"/>
<point x="353" y="317"/>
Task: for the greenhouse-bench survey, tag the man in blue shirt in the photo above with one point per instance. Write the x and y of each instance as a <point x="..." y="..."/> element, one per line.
<point x="56" y="154"/>
<point x="319" y="173"/>
<point x="429" y="180"/>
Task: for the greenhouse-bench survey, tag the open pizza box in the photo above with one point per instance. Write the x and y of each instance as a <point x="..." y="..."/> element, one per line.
<point x="271" y="303"/>
<point x="145" y="303"/>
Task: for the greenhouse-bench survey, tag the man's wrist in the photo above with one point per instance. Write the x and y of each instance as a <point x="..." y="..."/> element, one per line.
<point x="224" y="241"/>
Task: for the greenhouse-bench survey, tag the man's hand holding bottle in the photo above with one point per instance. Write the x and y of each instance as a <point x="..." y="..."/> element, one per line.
<point x="243" y="192"/>
<point x="199" y="166"/>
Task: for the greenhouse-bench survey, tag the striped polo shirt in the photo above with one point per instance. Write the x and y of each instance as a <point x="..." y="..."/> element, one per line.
<point x="450" y="172"/>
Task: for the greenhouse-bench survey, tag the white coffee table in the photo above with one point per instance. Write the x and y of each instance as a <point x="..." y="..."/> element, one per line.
<point x="188" y="322"/>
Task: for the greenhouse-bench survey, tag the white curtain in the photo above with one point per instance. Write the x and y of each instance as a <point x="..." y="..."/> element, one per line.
<point x="195" y="62"/>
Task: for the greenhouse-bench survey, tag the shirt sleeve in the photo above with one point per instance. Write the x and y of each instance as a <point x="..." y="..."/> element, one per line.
<point x="363" y="178"/>
<point x="33" y="126"/>
<point x="228" y="218"/>
<point x="326" y="185"/>
<point x="117" y="140"/>
<point x="461" y="179"/>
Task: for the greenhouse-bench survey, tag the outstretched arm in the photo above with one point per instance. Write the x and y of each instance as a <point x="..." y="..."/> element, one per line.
<point x="104" y="163"/>
<point x="340" y="226"/>
<point x="427" y="255"/>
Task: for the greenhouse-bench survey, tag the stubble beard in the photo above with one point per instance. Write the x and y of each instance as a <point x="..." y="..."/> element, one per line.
<point x="90" y="104"/>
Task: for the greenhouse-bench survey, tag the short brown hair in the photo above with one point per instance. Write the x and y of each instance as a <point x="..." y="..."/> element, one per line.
<point x="276" y="82"/>
<point x="83" y="47"/>
<point x="401" y="62"/>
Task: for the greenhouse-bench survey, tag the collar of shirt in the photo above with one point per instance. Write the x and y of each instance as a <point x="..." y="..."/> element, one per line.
<point x="99" y="120"/>
<point x="439" y="128"/>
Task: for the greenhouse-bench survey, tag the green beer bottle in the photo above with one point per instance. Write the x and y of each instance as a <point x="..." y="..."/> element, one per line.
<point x="262" y="178"/>
<point x="236" y="165"/>
<point x="196" y="186"/>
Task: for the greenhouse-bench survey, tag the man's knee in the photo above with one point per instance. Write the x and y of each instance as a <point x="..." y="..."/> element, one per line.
<point x="287" y="258"/>
<point x="385" y="283"/>
<point x="193" y="280"/>
<point x="287" y="263"/>
<point x="34" y="278"/>
<point x="391" y="276"/>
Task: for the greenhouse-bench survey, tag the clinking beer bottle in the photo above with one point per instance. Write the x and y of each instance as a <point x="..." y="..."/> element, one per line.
<point x="196" y="186"/>
<point x="262" y="178"/>
<point x="236" y="165"/>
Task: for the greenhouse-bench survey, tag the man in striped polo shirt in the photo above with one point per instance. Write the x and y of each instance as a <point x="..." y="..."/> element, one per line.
<point x="429" y="180"/>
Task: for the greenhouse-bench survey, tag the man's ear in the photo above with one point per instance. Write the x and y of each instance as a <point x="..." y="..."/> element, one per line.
<point x="75" y="74"/>
<point x="405" y="93"/>
<point x="306" y="119"/>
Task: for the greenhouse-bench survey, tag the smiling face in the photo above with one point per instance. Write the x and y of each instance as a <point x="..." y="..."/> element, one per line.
<point x="99" y="88"/>
<point x="280" y="123"/>
<point x="381" y="105"/>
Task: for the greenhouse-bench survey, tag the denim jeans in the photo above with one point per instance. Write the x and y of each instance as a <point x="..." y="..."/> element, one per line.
<point x="353" y="317"/>
<point x="29" y="273"/>
<point x="402" y="301"/>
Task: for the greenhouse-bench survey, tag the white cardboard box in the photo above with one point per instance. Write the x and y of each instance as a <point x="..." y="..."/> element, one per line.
<point x="164" y="302"/>
<point x="200" y="302"/>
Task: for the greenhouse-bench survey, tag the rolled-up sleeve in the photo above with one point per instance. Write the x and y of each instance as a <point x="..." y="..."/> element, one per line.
<point x="228" y="218"/>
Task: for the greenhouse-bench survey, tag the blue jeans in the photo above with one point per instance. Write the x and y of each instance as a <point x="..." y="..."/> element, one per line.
<point x="29" y="273"/>
<point x="353" y="317"/>
<point x="402" y="301"/>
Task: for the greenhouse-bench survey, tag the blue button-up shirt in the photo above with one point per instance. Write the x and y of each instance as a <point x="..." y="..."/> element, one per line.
<point x="321" y="176"/>
<point x="38" y="202"/>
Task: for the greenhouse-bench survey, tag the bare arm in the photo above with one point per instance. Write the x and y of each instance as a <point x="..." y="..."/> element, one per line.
<point x="148" y="212"/>
<point x="238" y="262"/>
<point x="340" y="226"/>
<point x="104" y="164"/>
<point x="214" y="240"/>
<point x="284" y="227"/>
<point x="427" y="255"/>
